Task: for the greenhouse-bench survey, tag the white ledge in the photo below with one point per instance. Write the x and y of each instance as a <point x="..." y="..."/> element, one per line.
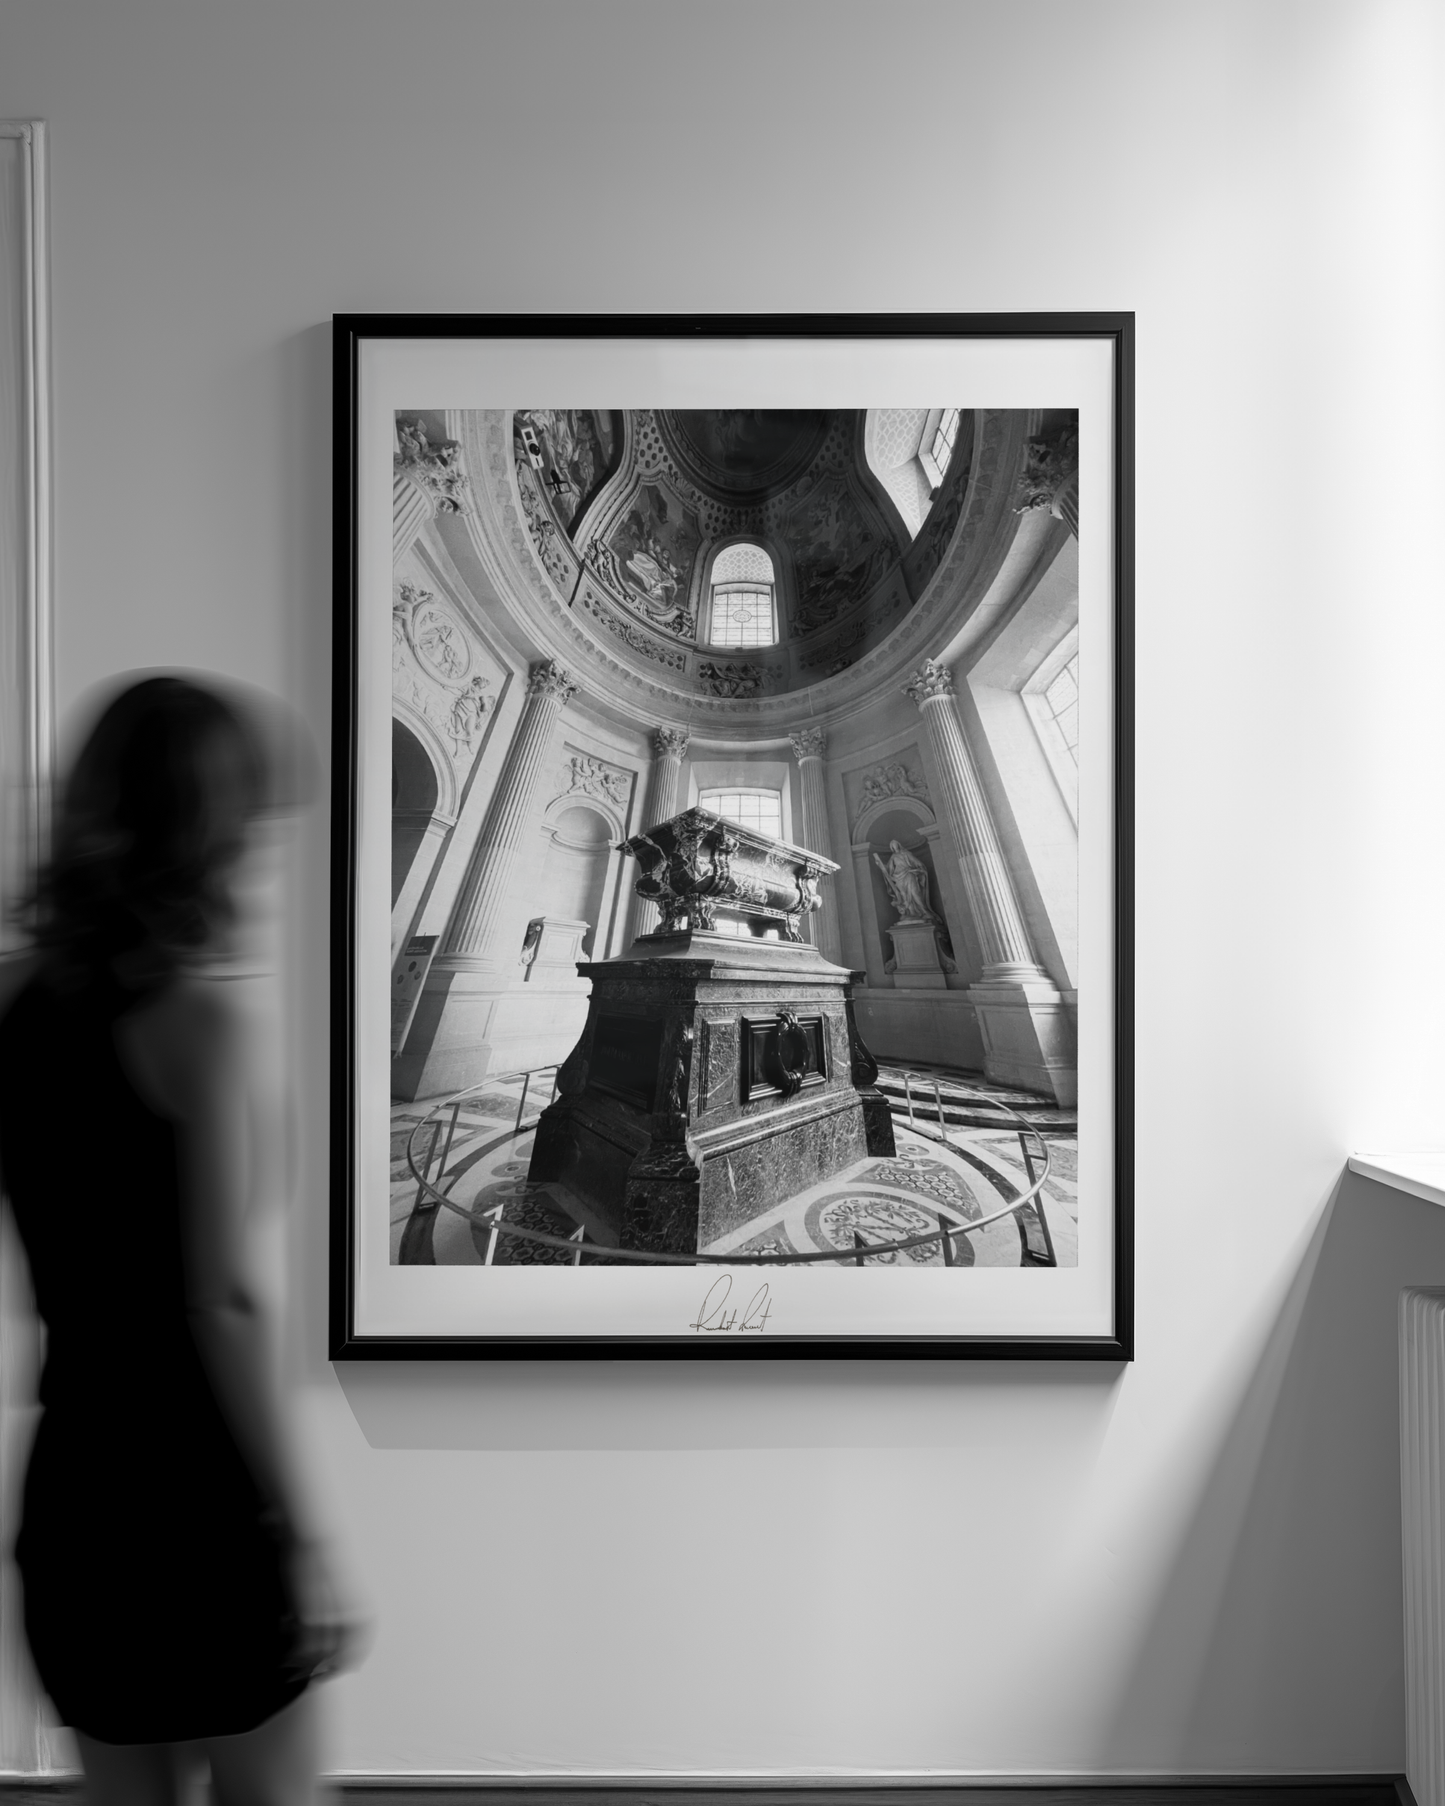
<point x="1420" y="1171"/>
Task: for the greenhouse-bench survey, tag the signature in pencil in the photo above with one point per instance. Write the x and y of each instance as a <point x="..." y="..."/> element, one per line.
<point x="716" y="1317"/>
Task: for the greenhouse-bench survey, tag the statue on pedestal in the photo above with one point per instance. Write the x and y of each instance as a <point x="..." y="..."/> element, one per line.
<point x="907" y="879"/>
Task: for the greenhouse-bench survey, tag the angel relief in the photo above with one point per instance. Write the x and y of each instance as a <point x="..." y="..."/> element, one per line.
<point x="430" y="661"/>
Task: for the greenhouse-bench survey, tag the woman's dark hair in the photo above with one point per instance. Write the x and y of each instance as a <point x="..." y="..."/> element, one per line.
<point x="154" y="815"/>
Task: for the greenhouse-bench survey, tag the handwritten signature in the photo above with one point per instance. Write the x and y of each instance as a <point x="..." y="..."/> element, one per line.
<point x="714" y="1317"/>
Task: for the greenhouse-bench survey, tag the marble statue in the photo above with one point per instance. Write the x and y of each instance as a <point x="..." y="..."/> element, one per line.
<point x="907" y="879"/>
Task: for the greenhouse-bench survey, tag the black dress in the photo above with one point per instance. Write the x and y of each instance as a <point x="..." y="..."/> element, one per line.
<point x="155" y="1600"/>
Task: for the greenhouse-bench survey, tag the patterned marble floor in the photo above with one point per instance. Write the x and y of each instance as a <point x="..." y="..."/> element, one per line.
<point x="928" y="1185"/>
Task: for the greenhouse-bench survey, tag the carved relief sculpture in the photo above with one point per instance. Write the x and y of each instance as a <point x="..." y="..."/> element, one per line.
<point x="1050" y="460"/>
<point x="883" y="781"/>
<point x="594" y="778"/>
<point x="430" y="661"/>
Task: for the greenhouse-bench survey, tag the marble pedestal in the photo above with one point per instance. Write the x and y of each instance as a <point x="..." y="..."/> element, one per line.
<point x="918" y="962"/>
<point x="715" y="1077"/>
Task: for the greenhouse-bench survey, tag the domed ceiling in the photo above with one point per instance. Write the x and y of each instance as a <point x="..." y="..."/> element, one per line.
<point x="627" y="510"/>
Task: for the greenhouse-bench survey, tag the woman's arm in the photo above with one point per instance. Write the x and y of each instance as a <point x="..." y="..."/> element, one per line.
<point x="188" y="1055"/>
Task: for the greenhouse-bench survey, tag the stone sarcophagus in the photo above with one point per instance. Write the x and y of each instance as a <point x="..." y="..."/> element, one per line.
<point x="698" y="868"/>
<point x="720" y="1069"/>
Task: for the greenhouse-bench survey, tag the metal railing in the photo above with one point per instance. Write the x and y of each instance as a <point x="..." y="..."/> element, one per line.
<point x="431" y="1197"/>
<point x="1024" y="1129"/>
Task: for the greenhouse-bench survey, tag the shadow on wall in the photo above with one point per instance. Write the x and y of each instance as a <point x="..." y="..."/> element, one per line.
<point x="1286" y="1585"/>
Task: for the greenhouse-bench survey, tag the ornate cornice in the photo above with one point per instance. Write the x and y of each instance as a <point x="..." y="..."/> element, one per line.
<point x="808" y="742"/>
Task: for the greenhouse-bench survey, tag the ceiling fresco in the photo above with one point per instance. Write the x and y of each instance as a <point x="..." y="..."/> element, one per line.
<point x="645" y="498"/>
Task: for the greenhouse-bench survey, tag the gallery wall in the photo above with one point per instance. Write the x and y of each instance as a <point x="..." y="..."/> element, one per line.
<point x="1190" y="1564"/>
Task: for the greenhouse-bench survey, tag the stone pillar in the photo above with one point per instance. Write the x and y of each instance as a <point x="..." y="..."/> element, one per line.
<point x="809" y="745"/>
<point x="449" y="1044"/>
<point x="481" y="899"/>
<point x="664" y="800"/>
<point x="426" y="480"/>
<point x="1027" y="1035"/>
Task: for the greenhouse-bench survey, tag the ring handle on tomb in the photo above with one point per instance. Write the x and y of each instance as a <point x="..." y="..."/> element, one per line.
<point x="790" y="1028"/>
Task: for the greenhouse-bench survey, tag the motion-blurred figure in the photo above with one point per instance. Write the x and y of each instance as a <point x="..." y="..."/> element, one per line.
<point x="176" y="1589"/>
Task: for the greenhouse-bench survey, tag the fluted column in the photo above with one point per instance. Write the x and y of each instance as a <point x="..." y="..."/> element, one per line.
<point x="1003" y="935"/>
<point x="481" y="899"/>
<point x="1026" y="1028"/>
<point x="809" y="745"/>
<point x="664" y="800"/>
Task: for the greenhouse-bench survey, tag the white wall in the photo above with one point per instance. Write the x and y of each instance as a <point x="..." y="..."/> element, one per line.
<point x="1189" y="1565"/>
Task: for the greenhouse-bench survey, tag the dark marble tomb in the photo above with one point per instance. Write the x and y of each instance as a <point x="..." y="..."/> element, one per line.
<point x="718" y="1073"/>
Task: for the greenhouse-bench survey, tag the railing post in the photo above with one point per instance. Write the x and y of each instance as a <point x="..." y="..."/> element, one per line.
<point x="436" y="1130"/>
<point x="526" y="1080"/>
<point x="947" y="1242"/>
<point x="495" y="1213"/>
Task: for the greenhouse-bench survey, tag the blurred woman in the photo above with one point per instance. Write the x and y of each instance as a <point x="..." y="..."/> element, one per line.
<point x="175" y="1588"/>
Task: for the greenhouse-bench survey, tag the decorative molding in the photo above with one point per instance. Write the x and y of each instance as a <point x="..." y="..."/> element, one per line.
<point x="27" y="720"/>
<point x="546" y="536"/>
<point x="734" y="679"/>
<point x="632" y="636"/>
<point x="808" y="742"/>
<point x="670" y="743"/>
<point x="29" y="1738"/>
<point x="436" y="469"/>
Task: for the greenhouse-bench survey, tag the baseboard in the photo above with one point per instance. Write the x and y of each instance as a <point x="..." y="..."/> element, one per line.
<point x="825" y="1790"/>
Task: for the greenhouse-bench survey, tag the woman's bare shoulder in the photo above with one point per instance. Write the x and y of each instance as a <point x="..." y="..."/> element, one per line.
<point x="183" y="1042"/>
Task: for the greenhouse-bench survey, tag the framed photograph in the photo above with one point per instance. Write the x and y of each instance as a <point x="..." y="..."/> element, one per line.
<point x="732" y="817"/>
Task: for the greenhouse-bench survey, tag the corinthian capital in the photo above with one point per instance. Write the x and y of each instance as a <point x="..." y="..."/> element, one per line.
<point x="1050" y="460"/>
<point x="670" y="742"/>
<point x="932" y="681"/>
<point x="808" y="742"/>
<point x="435" y="469"/>
<point x="551" y="680"/>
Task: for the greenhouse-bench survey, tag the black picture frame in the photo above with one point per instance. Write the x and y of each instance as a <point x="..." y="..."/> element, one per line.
<point x="355" y="335"/>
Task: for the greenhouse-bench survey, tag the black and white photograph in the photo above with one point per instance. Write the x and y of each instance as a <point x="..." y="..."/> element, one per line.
<point x="737" y="760"/>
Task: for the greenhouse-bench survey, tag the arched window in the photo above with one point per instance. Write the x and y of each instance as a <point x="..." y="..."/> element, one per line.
<point x="743" y="603"/>
<point x="909" y="450"/>
<point x="761" y="810"/>
<point x="935" y="448"/>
